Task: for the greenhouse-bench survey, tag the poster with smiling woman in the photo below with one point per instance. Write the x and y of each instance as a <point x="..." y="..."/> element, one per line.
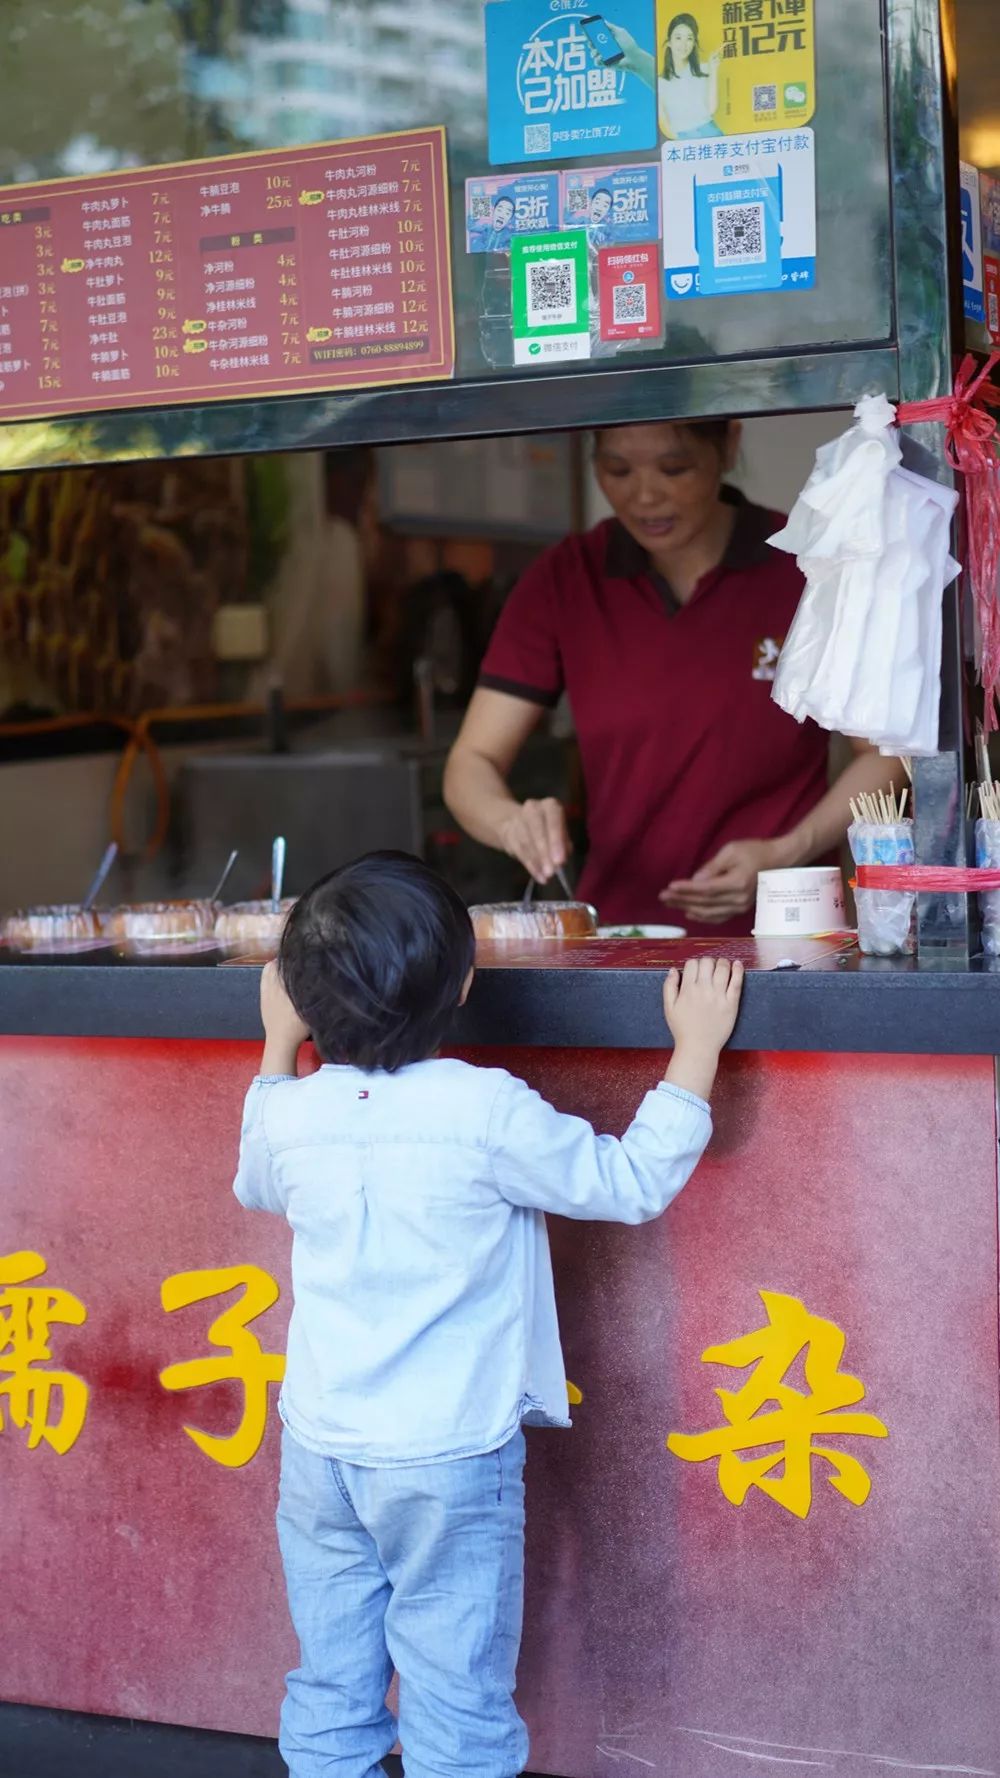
<point x="729" y="67"/>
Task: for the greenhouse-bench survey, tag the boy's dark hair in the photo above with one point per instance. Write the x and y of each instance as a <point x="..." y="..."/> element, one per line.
<point x="374" y="958"/>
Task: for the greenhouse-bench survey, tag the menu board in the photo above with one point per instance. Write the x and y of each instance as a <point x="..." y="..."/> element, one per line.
<point x="281" y="273"/>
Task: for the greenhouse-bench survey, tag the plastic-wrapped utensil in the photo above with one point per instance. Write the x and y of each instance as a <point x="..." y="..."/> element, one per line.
<point x="988" y="858"/>
<point x="885" y="916"/>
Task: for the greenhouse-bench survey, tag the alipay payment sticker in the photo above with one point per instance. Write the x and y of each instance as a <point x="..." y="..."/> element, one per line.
<point x="739" y="214"/>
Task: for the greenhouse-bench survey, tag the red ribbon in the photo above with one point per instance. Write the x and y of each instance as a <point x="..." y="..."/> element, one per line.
<point x="971" y="448"/>
<point x="926" y="879"/>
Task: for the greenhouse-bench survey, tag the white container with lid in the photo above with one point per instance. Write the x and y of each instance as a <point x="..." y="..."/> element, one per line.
<point x="800" y="903"/>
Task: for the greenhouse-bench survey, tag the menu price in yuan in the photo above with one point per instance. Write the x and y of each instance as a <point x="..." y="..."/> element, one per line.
<point x="282" y="273"/>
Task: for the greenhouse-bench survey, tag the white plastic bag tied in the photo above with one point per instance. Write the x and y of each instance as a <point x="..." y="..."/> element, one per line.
<point x="863" y="655"/>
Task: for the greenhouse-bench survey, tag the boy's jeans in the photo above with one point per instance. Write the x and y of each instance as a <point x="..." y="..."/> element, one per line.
<point x="421" y="1569"/>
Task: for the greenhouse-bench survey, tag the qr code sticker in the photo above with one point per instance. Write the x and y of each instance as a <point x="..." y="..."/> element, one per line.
<point x="793" y="916"/>
<point x="765" y="98"/>
<point x="993" y="312"/>
<point x="538" y="138"/>
<point x="551" y="292"/>
<point x="628" y="303"/>
<point x="577" y="200"/>
<point x="480" y="209"/>
<point x="738" y="234"/>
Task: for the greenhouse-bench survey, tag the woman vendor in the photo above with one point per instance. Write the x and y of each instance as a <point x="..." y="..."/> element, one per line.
<point x="663" y="626"/>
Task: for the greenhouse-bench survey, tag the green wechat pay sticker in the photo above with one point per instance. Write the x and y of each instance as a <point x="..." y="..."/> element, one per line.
<point x="796" y="95"/>
<point x="550" y="296"/>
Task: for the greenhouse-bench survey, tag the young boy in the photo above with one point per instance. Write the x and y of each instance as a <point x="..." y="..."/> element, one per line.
<point x="424" y="1333"/>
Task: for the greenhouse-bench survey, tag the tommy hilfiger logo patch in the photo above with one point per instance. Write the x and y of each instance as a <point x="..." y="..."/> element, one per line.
<point x="765" y="657"/>
<point x="364" y="1094"/>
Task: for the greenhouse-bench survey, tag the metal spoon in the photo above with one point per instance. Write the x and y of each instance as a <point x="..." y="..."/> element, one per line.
<point x="223" y="880"/>
<point x="102" y="875"/>
<point x="277" y="874"/>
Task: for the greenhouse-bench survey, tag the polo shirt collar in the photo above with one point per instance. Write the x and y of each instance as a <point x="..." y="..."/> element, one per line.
<point x="747" y="547"/>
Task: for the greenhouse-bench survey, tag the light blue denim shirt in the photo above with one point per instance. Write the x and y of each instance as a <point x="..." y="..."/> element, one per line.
<point x="424" y="1323"/>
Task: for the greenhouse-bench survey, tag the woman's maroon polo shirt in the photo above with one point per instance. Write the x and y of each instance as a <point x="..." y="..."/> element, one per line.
<point x="683" y="749"/>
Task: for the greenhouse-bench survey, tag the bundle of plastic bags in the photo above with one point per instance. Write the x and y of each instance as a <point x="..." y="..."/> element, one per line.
<point x="863" y="656"/>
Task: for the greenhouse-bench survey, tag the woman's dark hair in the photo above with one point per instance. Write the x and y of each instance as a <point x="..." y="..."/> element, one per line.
<point x="669" y="71"/>
<point x="715" y="432"/>
<point x="374" y="958"/>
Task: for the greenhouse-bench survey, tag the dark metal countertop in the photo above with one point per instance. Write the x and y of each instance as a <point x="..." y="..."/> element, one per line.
<point x="843" y="1003"/>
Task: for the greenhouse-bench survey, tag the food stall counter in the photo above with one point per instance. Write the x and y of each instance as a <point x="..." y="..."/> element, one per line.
<point x="810" y="1559"/>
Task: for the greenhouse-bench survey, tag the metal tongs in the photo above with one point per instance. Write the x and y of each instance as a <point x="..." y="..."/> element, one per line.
<point x="561" y="878"/>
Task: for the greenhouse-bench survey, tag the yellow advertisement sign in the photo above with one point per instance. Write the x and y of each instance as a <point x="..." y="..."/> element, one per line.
<point x="728" y="67"/>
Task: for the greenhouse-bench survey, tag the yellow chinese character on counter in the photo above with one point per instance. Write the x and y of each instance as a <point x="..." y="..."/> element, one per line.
<point x="26" y="1318"/>
<point x="242" y="1360"/>
<point x="770" y="1411"/>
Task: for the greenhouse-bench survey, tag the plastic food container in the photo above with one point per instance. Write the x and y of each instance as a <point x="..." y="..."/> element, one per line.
<point x="502" y="920"/>
<point x="252" y="927"/>
<point x="800" y="903"/>
<point x="150" y="922"/>
<point x="47" y="928"/>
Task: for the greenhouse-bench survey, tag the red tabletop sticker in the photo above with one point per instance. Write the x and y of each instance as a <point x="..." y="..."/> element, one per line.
<point x="276" y="273"/>
<point x="629" y="284"/>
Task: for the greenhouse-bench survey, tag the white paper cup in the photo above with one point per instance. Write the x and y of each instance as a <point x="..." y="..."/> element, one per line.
<point x="800" y="903"/>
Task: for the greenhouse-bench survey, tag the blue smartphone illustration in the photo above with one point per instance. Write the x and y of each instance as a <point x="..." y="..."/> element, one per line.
<point x="605" y="47"/>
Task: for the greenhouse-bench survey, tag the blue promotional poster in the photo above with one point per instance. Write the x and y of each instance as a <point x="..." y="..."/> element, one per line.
<point x="972" y="245"/>
<point x="564" y="82"/>
<point x="739" y="214"/>
<point x="616" y="205"/>
<point x="504" y="205"/>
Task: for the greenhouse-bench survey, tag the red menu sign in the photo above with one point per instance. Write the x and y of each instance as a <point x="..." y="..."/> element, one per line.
<point x="281" y="273"/>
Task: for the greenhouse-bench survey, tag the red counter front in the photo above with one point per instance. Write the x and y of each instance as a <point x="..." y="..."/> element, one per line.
<point x="845" y="1628"/>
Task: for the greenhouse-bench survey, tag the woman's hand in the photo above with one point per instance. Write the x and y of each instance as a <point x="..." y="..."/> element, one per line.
<point x="536" y="834"/>
<point x="637" y="60"/>
<point x="626" y="43"/>
<point x="726" y="886"/>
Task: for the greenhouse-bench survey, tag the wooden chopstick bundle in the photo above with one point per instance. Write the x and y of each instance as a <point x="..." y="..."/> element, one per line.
<point x="989" y="801"/>
<point x="881" y="809"/>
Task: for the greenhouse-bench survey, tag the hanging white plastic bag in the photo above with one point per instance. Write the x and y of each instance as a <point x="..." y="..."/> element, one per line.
<point x="863" y="655"/>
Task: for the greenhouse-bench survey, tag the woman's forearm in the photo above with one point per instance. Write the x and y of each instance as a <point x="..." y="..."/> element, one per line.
<point x="824" y="827"/>
<point x="478" y="795"/>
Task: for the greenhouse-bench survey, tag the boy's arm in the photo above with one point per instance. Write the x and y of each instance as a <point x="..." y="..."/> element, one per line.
<point x="284" y="1033"/>
<point x="545" y="1160"/>
<point x="255" y="1184"/>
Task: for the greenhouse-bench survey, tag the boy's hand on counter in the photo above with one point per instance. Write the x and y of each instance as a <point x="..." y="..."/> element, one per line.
<point x="701" y="1005"/>
<point x="284" y="1031"/>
